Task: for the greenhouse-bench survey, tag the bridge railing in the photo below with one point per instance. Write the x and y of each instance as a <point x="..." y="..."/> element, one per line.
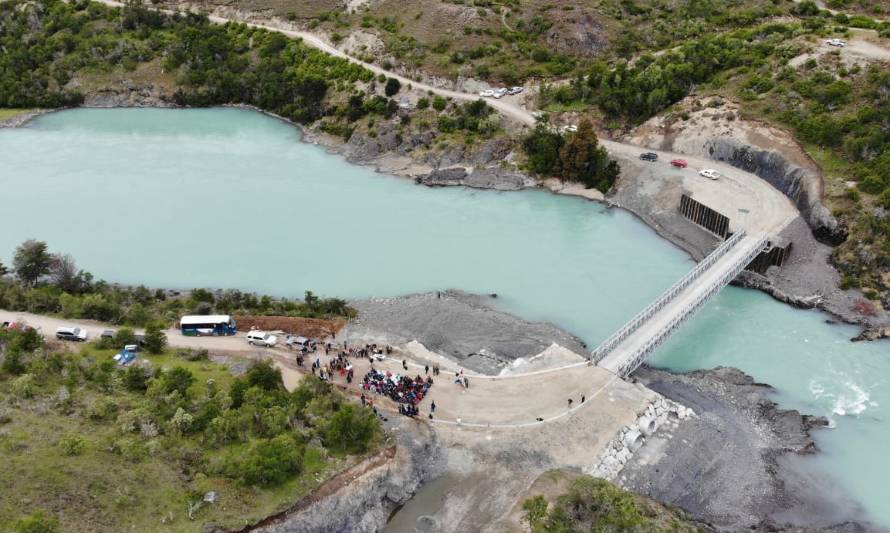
<point x="628" y="328"/>
<point x="656" y="340"/>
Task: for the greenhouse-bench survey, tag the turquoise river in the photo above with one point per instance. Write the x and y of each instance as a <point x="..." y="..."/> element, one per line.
<point x="230" y="198"/>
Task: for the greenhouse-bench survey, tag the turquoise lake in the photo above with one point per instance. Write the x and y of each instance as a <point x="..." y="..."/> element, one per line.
<point x="231" y="198"/>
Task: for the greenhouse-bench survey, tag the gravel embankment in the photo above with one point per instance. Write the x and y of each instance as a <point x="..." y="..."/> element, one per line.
<point x="459" y="325"/>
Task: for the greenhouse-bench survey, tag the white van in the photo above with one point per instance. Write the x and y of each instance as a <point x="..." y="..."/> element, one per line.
<point x="261" y="338"/>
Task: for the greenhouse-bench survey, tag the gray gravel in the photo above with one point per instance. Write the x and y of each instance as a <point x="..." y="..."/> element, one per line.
<point x="458" y="325"/>
<point x="741" y="463"/>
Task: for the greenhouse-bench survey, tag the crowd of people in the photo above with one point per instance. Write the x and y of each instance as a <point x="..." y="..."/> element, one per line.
<point x="401" y="389"/>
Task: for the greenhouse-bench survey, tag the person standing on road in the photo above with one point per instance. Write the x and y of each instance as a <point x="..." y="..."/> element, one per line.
<point x="426" y="369"/>
<point x="433" y="407"/>
<point x="570" y="403"/>
<point x="466" y="383"/>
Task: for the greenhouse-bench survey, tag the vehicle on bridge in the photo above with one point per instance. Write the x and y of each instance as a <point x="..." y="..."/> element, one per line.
<point x="195" y="325"/>
<point x="679" y="163"/>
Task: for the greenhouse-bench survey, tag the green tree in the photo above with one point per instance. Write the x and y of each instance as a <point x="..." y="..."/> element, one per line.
<point x="439" y="103"/>
<point x="542" y="148"/>
<point x="351" y="429"/>
<point x="32" y="261"/>
<point x="155" y="340"/>
<point x="268" y="462"/>
<point x="584" y="160"/>
<point x="123" y="337"/>
<point x="265" y="376"/>
<point x="392" y="87"/>
<point x="3" y="270"/>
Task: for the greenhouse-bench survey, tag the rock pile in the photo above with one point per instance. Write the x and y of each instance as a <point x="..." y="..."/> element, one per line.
<point x="631" y="437"/>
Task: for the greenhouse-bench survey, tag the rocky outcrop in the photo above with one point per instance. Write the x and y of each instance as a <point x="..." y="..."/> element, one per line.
<point x="794" y="181"/>
<point x="479" y="178"/>
<point x="362" y="498"/>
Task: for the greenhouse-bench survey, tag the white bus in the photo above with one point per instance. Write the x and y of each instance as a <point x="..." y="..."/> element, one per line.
<point x="194" y="325"/>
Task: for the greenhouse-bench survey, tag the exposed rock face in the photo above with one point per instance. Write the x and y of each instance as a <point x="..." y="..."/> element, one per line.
<point x="791" y="179"/>
<point x="363" y="503"/>
<point x="582" y="35"/>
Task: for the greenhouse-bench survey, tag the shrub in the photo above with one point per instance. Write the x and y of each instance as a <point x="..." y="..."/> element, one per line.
<point x="23" y="386"/>
<point x="439" y="103"/>
<point x="177" y="379"/>
<point x="262" y="374"/>
<point x="392" y="87"/>
<point x="123" y="337"/>
<point x="135" y="379"/>
<point x="72" y="445"/>
<point x="36" y="523"/>
<point x="267" y="462"/>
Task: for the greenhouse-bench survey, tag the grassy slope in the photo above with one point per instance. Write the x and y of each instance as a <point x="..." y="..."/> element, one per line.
<point x="6" y="114"/>
<point x="103" y="491"/>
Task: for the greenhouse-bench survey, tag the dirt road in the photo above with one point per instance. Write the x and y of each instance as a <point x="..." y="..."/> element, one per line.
<point x="489" y="402"/>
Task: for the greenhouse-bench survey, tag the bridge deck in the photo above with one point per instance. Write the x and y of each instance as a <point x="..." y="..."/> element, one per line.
<point x="648" y="335"/>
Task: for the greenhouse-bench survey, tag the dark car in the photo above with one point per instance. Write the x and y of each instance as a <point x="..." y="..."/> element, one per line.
<point x="649" y="156"/>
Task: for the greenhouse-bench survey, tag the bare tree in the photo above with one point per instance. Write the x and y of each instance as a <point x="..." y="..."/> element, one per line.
<point x="63" y="272"/>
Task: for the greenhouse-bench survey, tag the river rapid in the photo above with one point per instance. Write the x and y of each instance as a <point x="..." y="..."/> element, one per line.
<point x="230" y="198"/>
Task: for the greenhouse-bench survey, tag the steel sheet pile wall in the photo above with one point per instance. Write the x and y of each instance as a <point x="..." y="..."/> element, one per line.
<point x="772" y="256"/>
<point x="704" y="216"/>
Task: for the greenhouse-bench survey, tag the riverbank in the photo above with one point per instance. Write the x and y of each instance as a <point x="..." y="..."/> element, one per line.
<point x="740" y="464"/>
<point x="806" y="281"/>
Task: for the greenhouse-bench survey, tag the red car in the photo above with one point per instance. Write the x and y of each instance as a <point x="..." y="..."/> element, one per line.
<point x="679" y="163"/>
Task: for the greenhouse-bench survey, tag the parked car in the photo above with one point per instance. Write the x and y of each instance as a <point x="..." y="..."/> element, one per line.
<point x="500" y="93"/>
<point x="17" y="326"/>
<point x="570" y="128"/>
<point x="296" y="341"/>
<point x="649" y="156"/>
<point x="679" y="163"/>
<point x="261" y="338"/>
<point x="487" y="93"/>
<point x="107" y="334"/>
<point x="71" y="334"/>
<point x="836" y="42"/>
<point x="709" y="173"/>
<point x="515" y="90"/>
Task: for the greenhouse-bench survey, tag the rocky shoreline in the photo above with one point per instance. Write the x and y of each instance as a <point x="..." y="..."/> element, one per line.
<point x="737" y="464"/>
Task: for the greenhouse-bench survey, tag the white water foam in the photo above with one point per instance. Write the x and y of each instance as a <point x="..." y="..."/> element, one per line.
<point x="852" y="400"/>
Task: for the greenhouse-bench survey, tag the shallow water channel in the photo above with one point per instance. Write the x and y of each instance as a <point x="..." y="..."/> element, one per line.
<point x="230" y="198"/>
